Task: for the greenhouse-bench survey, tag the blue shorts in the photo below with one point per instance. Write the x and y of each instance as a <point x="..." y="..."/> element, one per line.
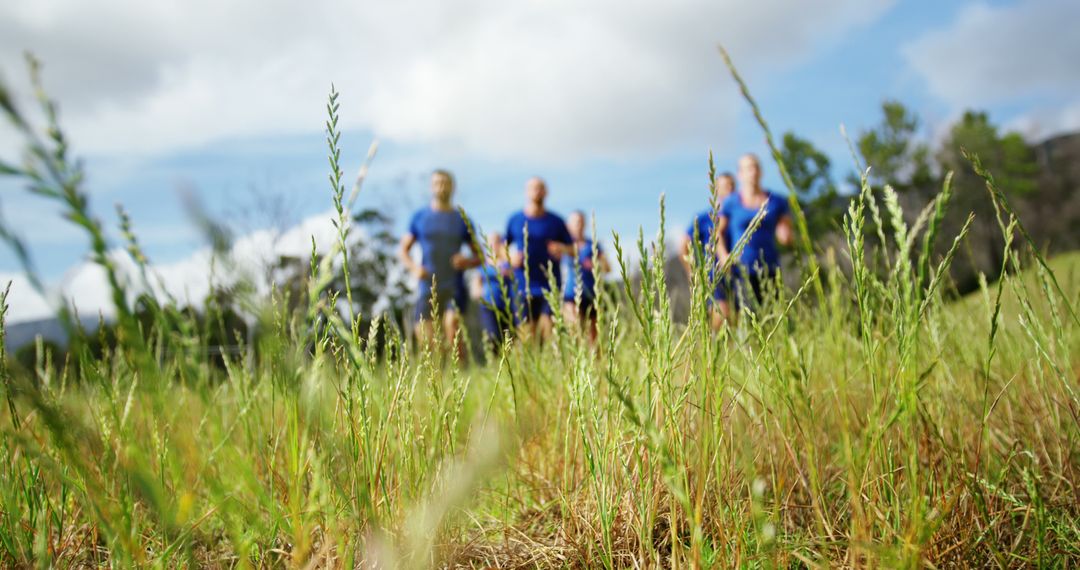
<point x="496" y="321"/>
<point x="530" y="307"/>
<point x="586" y="308"/>
<point x="455" y="299"/>
<point x="723" y="287"/>
<point x="748" y="288"/>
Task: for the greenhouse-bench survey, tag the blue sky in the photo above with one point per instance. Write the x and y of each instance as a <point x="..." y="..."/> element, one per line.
<point x="611" y="110"/>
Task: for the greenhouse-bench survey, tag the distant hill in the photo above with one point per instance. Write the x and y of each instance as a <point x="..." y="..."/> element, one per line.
<point x="1050" y="212"/>
<point x="1066" y="268"/>
<point x="1055" y="210"/>
<point x="20" y="334"/>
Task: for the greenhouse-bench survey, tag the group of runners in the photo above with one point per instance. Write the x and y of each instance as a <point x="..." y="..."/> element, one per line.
<point x="519" y="268"/>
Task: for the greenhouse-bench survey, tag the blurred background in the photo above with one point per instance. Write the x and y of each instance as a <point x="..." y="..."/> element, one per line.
<point x="195" y="110"/>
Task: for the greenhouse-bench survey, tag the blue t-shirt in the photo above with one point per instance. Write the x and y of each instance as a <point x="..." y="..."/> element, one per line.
<point x="548" y="227"/>
<point x="760" y="252"/>
<point x="441" y="235"/>
<point x="584" y="265"/>
<point x="703" y="222"/>
<point x="493" y="290"/>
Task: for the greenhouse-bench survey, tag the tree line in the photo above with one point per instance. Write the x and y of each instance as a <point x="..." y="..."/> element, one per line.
<point x="1038" y="182"/>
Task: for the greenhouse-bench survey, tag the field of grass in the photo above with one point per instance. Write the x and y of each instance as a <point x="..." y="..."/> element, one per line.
<point x="859" y="420"/>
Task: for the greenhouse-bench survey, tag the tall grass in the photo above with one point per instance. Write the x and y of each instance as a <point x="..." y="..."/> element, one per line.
<point x="858" y="420"/>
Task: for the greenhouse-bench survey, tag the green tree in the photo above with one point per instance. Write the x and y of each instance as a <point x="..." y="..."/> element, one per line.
<point x="811" y="175"/>
<point x="1008" y="156"/>
<point x="1015" y="170"/>
<point x="376" y="281"/>
<point x="893" y="153"/>
<point x="808" y="166"/>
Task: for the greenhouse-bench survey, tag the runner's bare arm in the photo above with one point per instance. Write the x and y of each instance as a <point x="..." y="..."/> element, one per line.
<point x="783" y="231"/>
<point x="461" y="262"/>
<point x="406" y="259"/>
<point x="721" y="247"/>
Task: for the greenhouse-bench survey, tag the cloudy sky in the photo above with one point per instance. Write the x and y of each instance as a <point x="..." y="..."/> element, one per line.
<point x="613" y="102"/>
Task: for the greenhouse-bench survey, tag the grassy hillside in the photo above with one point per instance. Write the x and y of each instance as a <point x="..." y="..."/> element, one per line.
<point x="865" y="427"/>
<point x="1066" y="267"/>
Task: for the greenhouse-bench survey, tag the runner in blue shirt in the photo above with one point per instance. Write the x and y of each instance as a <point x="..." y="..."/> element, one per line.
<point x="495" y="281"/>
<point x="760" y="259"/>
<point x="441" y="232"/>
<point x="548" y="240"/>
<point x="700" y="234"/>
<point x="587" y="262"/>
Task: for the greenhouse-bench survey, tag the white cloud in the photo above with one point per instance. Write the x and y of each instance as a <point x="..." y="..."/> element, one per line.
<point x="188" y="280"/>
<point x="533" y="79"/>
<point x="23" y="302"/>
<point x="1007" y="53"/>
<point x="1047" y="122"/>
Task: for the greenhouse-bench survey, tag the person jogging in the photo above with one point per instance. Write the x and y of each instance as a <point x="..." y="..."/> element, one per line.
<point x="441" y="232"/>
<point x="495" y="282"/>
<point x="586" y="262"/>
<point x="699" y="235"/>
<point x="539" y="239"/>
<point x="760" y="258"/>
